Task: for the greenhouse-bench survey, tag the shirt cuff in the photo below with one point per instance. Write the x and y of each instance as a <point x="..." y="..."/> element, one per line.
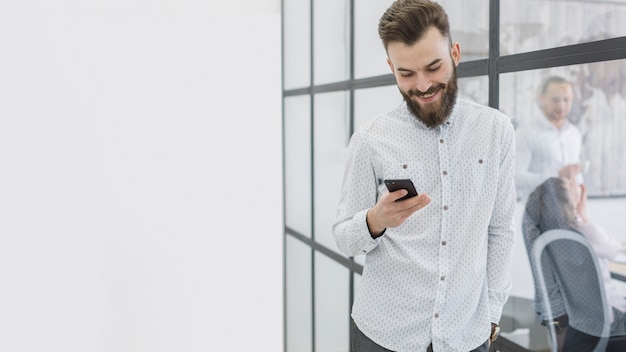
<point x="369" y="243"/>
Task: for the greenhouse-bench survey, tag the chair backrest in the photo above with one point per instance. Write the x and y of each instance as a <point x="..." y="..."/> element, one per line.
<point x="588" y="305"/>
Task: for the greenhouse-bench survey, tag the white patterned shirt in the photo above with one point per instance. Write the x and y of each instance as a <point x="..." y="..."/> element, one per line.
<point x="442" y="276"/>
<point x="542" y="150"/>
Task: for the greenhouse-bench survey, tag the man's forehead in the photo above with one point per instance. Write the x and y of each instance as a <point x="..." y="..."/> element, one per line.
<point x="417" y="56"/>
<point x="559" y="88"/>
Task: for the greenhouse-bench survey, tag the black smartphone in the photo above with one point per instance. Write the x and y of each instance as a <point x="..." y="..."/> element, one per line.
<point x="405" y="183"/>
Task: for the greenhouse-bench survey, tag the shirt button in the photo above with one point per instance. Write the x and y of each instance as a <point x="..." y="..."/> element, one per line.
<point x="443" y="278"/>
<point x="441" y="140"/>
<point x="443" y="243"/>
<point x="445" y="173"/>
<point x="445" y="207"/>
<point x="480" y="161"/>
<point x="436" y="315"/>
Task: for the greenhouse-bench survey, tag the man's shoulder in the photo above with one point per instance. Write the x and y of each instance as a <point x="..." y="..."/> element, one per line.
<point x="569" y="126"/>
<point x="531" y="130"/>
<point x="481" y="112"/>
<point x="382" y="120"/>
<point x="543" y="125"/>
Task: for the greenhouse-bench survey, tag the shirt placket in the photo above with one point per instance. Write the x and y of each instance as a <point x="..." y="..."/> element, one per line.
<point x="439" y="326"/>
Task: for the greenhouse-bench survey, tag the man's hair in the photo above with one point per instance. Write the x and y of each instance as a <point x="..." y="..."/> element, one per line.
<point x="555" y="80"/>
<point x="407" y="21"/>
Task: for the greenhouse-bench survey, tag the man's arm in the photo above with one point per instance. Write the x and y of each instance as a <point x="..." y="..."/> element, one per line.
<point x="358" y="195"/>
<point x="501" y="234"/>
<point x="362" y="217"/>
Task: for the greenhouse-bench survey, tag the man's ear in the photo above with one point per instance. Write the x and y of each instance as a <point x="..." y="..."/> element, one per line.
<point x="390" y="65"/>
<point x="455" y="52"/>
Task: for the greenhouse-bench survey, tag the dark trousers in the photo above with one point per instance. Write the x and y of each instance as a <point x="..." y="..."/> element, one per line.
<point x="362" y="343"/>
<point x="576" y="341"/>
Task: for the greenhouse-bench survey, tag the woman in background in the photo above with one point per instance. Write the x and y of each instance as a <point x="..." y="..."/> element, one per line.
<point x="560" y="203"/>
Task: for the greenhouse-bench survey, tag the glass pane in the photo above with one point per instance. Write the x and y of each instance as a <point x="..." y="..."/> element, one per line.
<point x="331" y="50"/>
<point x="331" y="141"/>
<point x="518" y="95"/>
<point x="370" y="58"/>
<point x="469" y="24"/>
<point x="374" y="101"/>
<point x="332" y="305"/>
<point x="475" y="89"/>
<point x="296" y="43"/>
<point x="298" y="297"/>
<point x="298" y="164"/>
<point x="602" y="121"/>
<point x="598" y="112"/>
<point x="541" y="24"/>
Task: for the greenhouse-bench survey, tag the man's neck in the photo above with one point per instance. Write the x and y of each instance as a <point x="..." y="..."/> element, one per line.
<point x="558" y="124"/>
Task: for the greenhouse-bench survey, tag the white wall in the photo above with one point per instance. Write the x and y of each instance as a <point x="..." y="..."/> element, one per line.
<point x="140" y="176"/>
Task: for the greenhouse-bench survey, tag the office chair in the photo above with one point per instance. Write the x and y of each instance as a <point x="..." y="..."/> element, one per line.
<point x="571" y="248"/>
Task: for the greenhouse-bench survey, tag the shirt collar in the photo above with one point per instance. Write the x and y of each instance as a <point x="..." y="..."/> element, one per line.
<point x="545" y="123"/>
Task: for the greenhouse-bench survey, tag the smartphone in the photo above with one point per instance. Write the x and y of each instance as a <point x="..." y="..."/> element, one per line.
<point x="405" y="183"/>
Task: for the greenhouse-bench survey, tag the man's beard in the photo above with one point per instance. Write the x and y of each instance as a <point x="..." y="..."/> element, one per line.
<point x="553" y="116"/>
<point x="433" y="116"/>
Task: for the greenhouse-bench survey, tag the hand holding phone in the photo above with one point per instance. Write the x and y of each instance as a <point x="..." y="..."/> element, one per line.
<point x="405" y="183"/>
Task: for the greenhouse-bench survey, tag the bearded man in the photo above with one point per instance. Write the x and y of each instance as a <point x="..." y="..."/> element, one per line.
<point x="437" y="265"/>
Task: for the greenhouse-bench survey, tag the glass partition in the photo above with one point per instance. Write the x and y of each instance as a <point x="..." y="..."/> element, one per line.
<point x="297" y="129"/>
<point x="298" y="296"/>
<point x="374" y="101"/>
<point x="370" y="58"/>
<point x="331" y="38"/>
<point x="296" y="43"/>
<point x="475" y="89"/>
<point x="541" y="24"/>
<point x="331" y="135"/>
<point x="332" y="307"/>
<point x="469" y="24"/>
<point x="602" y="121"/>
<point x="598" y="112"/>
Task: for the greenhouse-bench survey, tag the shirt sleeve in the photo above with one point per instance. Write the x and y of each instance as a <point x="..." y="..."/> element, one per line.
<point x="358" y="195"/>
<point x="501" y="234"/>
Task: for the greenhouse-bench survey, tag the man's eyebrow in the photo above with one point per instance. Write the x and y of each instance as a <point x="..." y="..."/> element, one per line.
<point x="433" y="63"/>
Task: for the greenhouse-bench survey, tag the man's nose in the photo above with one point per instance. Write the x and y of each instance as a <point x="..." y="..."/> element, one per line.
<point x="423" y="83"/>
